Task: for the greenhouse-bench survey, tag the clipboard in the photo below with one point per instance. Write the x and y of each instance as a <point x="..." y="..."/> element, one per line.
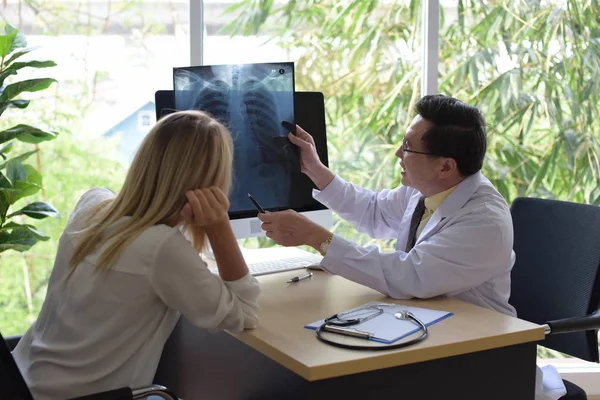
<point x="386" y="328"/>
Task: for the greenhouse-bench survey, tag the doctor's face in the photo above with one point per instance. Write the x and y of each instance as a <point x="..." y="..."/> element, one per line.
<point x="419" y="169"/>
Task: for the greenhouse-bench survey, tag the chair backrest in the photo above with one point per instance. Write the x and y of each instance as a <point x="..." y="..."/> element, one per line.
<point x="12" y="384"/>
<point x="556" y="274"/>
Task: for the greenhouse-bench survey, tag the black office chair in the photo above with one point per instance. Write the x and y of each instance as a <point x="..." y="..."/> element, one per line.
<point x="13" y="386"/>
<point x="556" y="277"/>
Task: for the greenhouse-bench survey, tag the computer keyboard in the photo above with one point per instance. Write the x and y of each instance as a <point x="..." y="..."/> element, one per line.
<point x="280" y="265"/>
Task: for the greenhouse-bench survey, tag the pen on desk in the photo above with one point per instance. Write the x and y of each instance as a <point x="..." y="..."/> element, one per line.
<point x="300" y="278"/>
<point x="258" y="207"/>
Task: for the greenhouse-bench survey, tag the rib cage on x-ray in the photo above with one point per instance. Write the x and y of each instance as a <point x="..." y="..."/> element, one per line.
<point x="265" y="162"/>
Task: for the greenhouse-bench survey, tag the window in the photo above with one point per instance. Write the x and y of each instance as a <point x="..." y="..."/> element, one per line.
<point x="109" y="64"/>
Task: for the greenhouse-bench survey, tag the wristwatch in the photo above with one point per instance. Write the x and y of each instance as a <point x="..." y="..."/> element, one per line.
<point x="325" y="245"/>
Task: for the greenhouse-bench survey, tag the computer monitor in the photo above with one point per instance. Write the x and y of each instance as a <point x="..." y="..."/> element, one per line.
<point x="251" y="100"/>
<point x="309" y="112"/>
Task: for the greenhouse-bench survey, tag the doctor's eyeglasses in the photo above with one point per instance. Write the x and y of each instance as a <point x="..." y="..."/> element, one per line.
<point x="405" y="150"/>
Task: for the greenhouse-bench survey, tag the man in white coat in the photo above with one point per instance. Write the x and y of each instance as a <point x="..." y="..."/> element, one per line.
<point x="453" y="228"/>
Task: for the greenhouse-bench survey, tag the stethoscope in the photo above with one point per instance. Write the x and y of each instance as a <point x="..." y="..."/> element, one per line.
<point x="336" y="324"/>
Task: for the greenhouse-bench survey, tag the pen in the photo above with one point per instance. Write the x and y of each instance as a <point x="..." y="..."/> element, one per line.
<point x="300" y="278"/>
<point x="258" y="207"/>
<point x="353" y="333"/>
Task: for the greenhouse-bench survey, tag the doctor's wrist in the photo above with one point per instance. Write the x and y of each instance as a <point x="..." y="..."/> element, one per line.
<point x="320" y="236"/>
<point x="321" y="177"/>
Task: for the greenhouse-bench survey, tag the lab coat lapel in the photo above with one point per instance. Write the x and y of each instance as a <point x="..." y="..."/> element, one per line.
<point x="453" y="203"/>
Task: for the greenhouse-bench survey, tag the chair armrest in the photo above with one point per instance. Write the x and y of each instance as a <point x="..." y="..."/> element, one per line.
<point x="575" y="324"/>
<point x="12" y="342"/>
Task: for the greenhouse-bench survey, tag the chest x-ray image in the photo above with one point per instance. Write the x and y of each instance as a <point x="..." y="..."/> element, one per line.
<point x="251" y="100"/>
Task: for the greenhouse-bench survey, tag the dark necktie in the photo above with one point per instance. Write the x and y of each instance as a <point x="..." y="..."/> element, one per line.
<point x="414" y="224"/>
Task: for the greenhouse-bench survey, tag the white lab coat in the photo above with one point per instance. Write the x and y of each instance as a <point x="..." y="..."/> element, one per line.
<point x="464" y="251"/>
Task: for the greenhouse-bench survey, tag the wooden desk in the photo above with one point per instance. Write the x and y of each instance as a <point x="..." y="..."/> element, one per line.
<point x="475" y="354"/>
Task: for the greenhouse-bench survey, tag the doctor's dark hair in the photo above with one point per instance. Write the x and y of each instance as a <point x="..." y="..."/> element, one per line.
<point x="458" y="131"/>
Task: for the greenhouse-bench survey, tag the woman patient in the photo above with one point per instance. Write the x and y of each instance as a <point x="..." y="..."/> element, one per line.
<point x="124" y="270"/>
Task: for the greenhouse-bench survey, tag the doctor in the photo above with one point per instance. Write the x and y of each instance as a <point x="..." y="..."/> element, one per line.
<point x="453" y="229"/>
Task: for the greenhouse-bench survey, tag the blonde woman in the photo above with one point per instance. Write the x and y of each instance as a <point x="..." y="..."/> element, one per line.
<point x="124" y="270"/>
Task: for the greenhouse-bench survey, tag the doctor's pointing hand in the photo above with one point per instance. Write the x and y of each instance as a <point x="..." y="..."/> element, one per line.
<point x="288" y="228"/>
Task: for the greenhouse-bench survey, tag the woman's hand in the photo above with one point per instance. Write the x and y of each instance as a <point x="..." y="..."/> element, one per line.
<point x="206" y="208"/>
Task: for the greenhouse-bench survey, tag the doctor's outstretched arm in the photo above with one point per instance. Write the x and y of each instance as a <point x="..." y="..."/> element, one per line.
<point x="459" y="257"/>
<point x="378" y="214"/>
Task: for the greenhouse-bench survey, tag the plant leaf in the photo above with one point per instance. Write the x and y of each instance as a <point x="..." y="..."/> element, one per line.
<point x="5" y="195"/>
<point x="26" y="133"/>
<point x="20" y="157"/>
<point x="4" y="183"/>
<point x="5" y="74"/>
<point x="18" y="54"/>
<point x="15" y="171"/>
<point x="24" y="189"/>
<point x="29" y="85"/>
<point x="6" y="43"/>
<point x="19" y="41"/>
<point x="25" y="227"/>
<point x="6" y="148"/>
<point x="8" y="196"/>
<point x="33" y="64"/>
<point x="13" y="68"/>
<point x="32" y="175"/>
<point x="13" y="103"/>
<point x="19" y="103"/>
<point x="18" y="239"/>
<point x="37" y="210"/>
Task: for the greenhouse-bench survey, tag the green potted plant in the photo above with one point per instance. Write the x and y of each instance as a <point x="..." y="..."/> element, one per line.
<point x="18" y="179"/>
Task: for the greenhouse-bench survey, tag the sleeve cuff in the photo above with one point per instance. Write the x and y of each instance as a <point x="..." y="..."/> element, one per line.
<point x="330" y="191"/>
<point x="336" y="251"/>
<point x="245" y="280"/>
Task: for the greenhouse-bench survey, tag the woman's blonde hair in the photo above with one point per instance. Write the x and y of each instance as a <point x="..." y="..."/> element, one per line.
<point x="185" y="150"/>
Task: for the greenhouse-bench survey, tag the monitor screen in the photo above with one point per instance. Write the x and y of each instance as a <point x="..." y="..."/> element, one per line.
<point x="251" y="100"/>
<point x="309" y="111"/>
